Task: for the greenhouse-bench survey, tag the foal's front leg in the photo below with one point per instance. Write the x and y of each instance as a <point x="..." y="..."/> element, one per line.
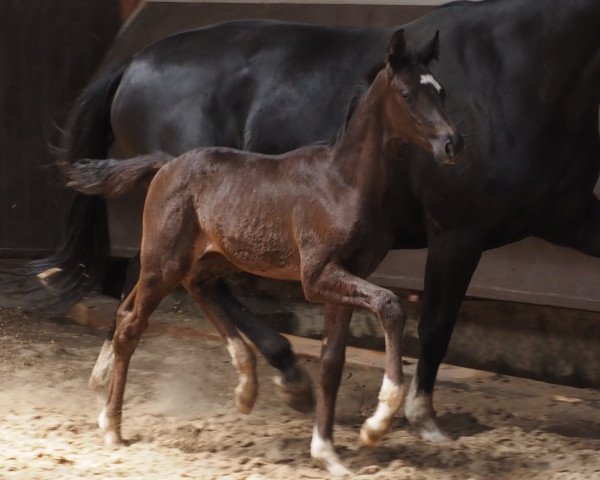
<point x="333" y="284"/>
<point x="335" y="333"/>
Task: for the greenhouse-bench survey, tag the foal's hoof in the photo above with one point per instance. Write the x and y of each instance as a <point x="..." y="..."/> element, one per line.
<point x="112" y="437"/>
<point x="113" y="440"/>
<point x="369" y="436"/>
<point x="297" y="395"/>
<point x="245" y="397"/>
<point x="334" y="469"/>
<point x="322" y="451"/>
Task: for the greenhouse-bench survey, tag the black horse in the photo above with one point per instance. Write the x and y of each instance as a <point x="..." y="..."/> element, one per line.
<point x="523" y="78"/>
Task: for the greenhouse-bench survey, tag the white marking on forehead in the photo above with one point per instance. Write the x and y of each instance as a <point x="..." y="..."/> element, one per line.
<point x="427" y="79"/>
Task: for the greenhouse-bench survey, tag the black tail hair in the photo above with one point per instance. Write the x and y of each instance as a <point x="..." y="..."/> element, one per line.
<point x="55" y="282"/>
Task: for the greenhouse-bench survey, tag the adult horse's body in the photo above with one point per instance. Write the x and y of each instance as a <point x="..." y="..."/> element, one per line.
<point x="525" y="76"/>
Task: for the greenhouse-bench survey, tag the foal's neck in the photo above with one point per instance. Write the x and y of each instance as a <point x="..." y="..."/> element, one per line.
<point x="362" y="155"/>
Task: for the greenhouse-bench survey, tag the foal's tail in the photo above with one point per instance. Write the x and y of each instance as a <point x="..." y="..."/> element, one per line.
<point x="112" y="178"/>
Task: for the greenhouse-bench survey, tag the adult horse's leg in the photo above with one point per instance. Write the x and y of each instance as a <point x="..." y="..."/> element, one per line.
<point x="103" y="367"/>
<point x="335" y="334"/>
<point x="294" y="383"/>
<point x="243" y="359"/>
<point x="582" y="235"/>
<point x="451" y="261"/>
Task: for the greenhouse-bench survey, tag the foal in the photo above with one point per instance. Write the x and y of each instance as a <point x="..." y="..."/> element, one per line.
<point x="319" y="215"/>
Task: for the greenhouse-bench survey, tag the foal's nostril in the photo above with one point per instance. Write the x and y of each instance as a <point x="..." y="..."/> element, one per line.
<point x="454" y="145"/>
<point x="449" y="149"/>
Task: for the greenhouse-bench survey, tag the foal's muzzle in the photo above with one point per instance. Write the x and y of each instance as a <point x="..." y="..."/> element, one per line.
<point x="453" y="147"/>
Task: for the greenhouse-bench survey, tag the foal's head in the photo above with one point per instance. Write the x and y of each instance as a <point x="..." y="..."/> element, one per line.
<point x="414" y="110"/>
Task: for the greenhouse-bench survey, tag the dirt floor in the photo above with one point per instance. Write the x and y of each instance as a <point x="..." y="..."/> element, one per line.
<point x="180" y="418"/>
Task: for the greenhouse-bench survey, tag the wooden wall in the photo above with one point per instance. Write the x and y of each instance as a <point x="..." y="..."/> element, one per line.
<point x="48" y="52"/>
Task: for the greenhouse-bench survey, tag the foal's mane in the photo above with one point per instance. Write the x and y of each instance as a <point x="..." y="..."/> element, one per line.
<point x="360" y="89"/>
<point x="360" y="92"/>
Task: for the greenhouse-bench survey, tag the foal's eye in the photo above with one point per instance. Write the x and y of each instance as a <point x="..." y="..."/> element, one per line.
<point x="408" y="98"/>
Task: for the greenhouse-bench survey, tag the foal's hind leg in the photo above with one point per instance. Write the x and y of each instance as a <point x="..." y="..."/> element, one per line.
<point x="295" y="386"/>
<point x="207" y="296"/>
<point x="103" y="367"/>
<point x="168" y="240"/>
<point x="132" y="321"/>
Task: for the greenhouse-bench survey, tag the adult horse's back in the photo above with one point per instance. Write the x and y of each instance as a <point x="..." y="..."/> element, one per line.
<point x="525" y="76"/>
<point x="245" y="81"/>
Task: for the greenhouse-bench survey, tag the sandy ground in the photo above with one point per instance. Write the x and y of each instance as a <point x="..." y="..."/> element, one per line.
<point x="180" y="418"/>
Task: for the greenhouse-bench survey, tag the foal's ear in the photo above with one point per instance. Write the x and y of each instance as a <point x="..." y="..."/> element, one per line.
<point x="397" y="50"/>
<point x="431" y="51"/>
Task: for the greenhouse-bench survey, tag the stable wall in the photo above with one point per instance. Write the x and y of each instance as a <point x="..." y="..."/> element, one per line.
<point x="48" y="52"/>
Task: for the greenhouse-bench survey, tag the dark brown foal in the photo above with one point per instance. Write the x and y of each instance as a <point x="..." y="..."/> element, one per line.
<point x="319" y="215"/>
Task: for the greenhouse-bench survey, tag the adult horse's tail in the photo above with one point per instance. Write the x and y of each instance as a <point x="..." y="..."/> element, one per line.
<point x="78" y="266"/>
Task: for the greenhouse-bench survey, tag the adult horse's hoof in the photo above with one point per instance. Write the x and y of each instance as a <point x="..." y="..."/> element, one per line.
<point x="297" y="395"/>
<point x="419" y="412"/>
<point x="430" y="432"/>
